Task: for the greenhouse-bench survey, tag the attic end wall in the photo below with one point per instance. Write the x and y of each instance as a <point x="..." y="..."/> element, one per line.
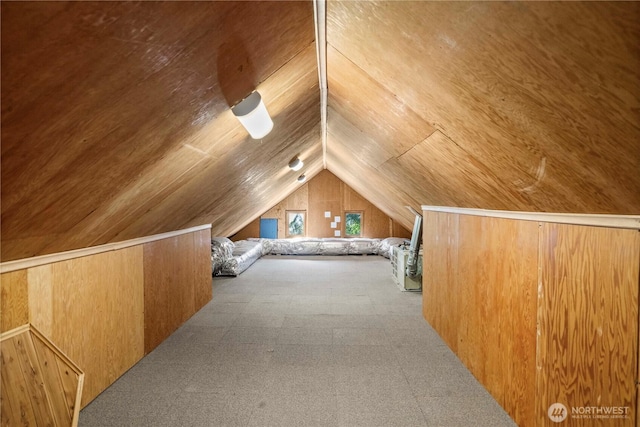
<point x="327" y="193"/>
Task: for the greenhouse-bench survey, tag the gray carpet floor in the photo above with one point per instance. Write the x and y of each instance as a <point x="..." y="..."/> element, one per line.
<point x="301" y="341"/>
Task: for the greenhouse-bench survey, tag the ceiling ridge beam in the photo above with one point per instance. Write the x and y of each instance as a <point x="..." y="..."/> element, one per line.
<point x="320" y="19"/>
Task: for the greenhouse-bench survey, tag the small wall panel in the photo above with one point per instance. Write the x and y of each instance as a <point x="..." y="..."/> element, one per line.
<point x="588" y="317"/>
<point x="325" y="194"/>
<point x="41" y="304"/>
<point x="440" y="284"/>
<point x="200" y="259"/>
<point x="484" y="304"/>
<point x="177" y="283"/>
<point x="397" y="230"/>
<point x="97" y="306"/>
<point x="250" y="230"/>
<point x="14" y="300"/>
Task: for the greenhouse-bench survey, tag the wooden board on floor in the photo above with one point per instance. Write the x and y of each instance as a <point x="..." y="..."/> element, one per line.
<point x="40" y="385"/>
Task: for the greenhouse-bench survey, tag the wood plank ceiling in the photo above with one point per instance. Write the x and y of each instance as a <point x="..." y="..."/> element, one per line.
<point x="116" y="121"/>
<point x="497" y="105"/>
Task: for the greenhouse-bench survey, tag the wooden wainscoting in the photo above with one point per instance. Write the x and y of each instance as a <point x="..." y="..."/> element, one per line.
<point x="540" y="310"/>
<point x="173" y="289"/>
<point x="479" y="293"/>
<point x="14" y="300"/>
<point x="92" y="308"/>
<point x="587" y="320"/>
<point x="99" y="307"/>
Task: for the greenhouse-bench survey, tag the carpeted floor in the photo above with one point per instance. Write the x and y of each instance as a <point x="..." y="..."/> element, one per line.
<point x="301" y="341"/>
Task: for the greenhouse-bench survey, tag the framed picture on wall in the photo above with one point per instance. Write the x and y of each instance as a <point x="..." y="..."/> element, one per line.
<point x="353" y="223"/>
<point x="296" y="224"/>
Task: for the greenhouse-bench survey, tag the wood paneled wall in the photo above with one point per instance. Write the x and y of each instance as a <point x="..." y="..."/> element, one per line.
<point x="97" y="309"/>
<point x="539" y="312"/>
<point x="14" y="300"/>
<point x="175" y="287"/>
<point x="588" y="319"/>
<point x="326" y="192"/>
<point x="92" y="308"/>
<point x="485" y="311"/>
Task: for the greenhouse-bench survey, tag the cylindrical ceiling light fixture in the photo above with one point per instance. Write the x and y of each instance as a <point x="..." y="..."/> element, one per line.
<point x="254" y="116"/>
<point x="302" y="178"/>
<point x="296" y="164"/>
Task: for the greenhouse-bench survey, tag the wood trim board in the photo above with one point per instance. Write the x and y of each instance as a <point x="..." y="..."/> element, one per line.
<point x="597" y="220"/>
<point x="20" y="264"/>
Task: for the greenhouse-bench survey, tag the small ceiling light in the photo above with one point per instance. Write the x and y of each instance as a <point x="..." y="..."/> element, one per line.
<point x="296" y="164"/>
<point x="302" y="178"/>
<point x="254" y="116"/>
